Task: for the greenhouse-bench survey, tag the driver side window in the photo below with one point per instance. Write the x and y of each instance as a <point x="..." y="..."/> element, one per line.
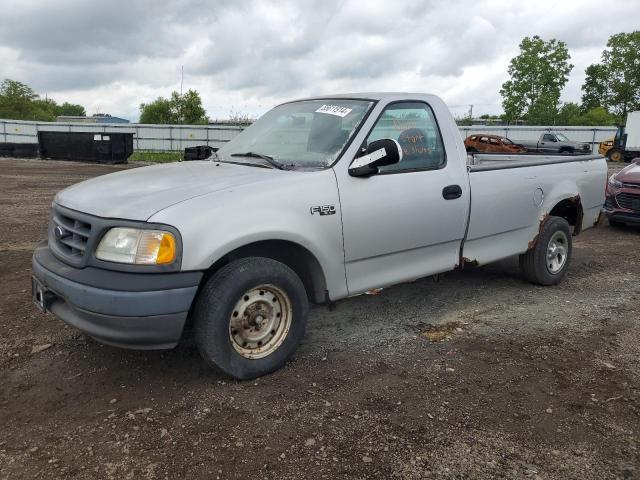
<point x="413" y="126"/>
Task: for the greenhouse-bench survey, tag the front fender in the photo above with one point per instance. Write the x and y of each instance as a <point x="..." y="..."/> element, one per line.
<point x="213" y="225"/>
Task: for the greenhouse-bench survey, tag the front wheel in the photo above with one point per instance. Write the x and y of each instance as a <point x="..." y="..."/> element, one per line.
<point x="547" y="262"/>
<point x="614" y="155"/>
<point x="250" y="317"/>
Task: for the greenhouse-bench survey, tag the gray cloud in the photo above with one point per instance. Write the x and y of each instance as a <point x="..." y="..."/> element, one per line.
<point x="249" y="54"/>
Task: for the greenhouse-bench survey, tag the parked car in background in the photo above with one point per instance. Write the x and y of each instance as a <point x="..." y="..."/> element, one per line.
<point x="622" y="200"/>
<point x="491" y="144"/>
<point x="551" y="142"/>
<point x="626" y="144"/>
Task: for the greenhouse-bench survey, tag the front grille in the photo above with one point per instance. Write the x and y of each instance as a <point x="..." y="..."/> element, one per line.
<point x="629" y="201"/>
<point x="69" y="234"/>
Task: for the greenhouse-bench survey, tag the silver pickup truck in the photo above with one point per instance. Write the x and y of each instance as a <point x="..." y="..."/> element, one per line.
<point x="318" y="200"/>
<point x="554" y="142"/>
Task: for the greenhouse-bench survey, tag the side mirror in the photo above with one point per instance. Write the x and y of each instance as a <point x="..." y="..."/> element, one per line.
<point x="386" y="151"/>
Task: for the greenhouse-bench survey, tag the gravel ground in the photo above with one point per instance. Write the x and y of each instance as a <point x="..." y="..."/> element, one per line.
<point x="476" y="375"/>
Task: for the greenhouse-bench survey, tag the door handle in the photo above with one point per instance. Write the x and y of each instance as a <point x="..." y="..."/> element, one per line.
<point x="452" y="192"/>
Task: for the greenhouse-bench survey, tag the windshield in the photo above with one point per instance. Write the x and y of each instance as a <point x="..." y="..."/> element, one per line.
<point x="562" y="138"/>
<point x="305" y="134"/>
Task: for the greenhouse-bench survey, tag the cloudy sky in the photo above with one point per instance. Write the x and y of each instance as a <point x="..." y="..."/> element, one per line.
<point x="246" y="56"/>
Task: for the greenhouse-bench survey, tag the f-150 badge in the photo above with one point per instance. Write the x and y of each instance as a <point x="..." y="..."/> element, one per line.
<point x="323" y="210"/>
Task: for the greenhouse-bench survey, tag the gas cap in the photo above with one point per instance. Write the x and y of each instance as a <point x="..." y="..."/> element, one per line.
<point x="538" y="197"/>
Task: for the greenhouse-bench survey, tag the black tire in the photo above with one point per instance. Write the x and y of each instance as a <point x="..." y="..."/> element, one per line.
<point x="533" y="263"/>
<point x="215" y="306"/>
<point x="615" y="155"/>
<point x="566" y="151"/>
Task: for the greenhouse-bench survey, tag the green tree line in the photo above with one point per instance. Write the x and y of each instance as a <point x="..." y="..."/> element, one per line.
<point x="19" y="102"/>
<point x="541" y="70"/>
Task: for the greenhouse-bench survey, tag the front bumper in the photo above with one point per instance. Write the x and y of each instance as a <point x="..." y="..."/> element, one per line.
<point x="622" y="217"/>
<point x="130" y="310"/>
<point x="617" y="203"/>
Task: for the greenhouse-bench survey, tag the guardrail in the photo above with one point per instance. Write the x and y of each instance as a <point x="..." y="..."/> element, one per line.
<point x="178" y="137"/>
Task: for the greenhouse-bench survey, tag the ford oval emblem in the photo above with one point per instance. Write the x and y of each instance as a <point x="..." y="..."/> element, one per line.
<point x="60" y="232"/>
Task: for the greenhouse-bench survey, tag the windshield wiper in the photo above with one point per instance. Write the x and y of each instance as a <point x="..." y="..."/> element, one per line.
<point x="266" y="158"/>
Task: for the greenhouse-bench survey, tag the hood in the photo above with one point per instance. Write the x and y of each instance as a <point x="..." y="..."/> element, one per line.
<point x="629" y="174"/>
<point x="138" y="193"/>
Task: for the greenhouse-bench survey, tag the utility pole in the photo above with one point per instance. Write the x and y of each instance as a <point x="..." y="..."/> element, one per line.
<point x="181" y="78"/>
<point x="471" y="111"/>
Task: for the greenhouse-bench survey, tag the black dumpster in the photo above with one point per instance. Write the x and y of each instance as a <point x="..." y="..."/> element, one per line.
<point x="19" y="150"/>
<point x="201" y="152"/>
<point x="105" y="147"/>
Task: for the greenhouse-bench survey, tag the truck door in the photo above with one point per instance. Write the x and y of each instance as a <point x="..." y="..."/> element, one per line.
<point x="548" y="143"/>
<point x="408" y="220"/>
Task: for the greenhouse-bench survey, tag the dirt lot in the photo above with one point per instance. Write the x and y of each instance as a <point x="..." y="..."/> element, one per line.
<point x="520" y="382"/>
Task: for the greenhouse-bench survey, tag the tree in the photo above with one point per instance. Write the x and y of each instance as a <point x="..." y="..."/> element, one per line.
<point x="598" y="116"/>
<point x="16" y="100"/>
<point x="158" y="111"/>
<point x="568" y="113"/>
<point x="538" y="75"/>
<point x="595" y="87"/>
<point x="615" y="82"/>
<point x="70" y="109"/>
<point x="188" y="108"/>
<point x="574" y="114"/>
<point x="179" y="109"/>
<point x="19" y="102"/>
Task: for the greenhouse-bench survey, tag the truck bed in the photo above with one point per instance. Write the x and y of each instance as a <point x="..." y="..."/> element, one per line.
<point x="512" y="194"/>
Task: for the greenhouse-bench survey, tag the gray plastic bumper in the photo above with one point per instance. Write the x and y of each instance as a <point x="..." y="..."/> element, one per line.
<point x="148" y="314"/>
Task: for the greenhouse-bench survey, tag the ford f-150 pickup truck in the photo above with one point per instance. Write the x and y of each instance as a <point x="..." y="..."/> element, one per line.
<point x="551" y="142"/>
<point x="318" y="200"/>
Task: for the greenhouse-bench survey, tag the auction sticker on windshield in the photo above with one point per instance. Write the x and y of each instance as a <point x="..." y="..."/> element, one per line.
<point x="334" y="110"/>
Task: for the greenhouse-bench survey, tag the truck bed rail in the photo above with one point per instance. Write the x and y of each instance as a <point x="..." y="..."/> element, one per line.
<point x="492" y="161"/>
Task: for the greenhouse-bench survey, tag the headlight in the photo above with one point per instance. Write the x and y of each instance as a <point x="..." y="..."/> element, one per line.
<point x="142" y="247"/>
<point x="613" y="182"/>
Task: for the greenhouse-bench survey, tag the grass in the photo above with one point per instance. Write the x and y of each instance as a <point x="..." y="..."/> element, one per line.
<point x="155" y="157"/>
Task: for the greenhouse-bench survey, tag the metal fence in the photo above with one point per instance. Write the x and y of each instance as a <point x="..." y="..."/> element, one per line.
<point x="177" y="137"/>
<point x="145" y="137"/>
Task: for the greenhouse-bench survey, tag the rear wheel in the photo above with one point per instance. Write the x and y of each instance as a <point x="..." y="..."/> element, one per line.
<point x="547" y="262"/>
<point x="614" y="155"/>
<point x="250" y="317"/>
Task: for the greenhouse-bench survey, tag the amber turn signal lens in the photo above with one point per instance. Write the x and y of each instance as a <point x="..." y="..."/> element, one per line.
<point x="167" y="250"/>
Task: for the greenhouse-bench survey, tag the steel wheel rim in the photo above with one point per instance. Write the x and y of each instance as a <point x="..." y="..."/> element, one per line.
<point x="260" y="321"/>
<point x="557" y="251"/>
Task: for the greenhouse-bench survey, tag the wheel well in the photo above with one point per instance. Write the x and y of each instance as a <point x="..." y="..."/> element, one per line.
<point x="296" y="257"/>
<point x="566" y="149"/>
<point x="571" y="210"/>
